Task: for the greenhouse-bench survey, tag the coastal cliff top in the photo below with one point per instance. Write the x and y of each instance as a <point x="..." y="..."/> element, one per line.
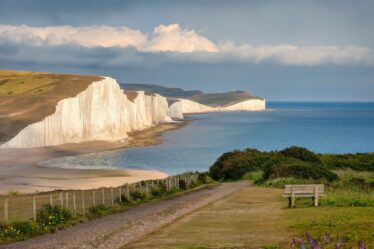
<point x="210" y="99"/>
<point x="28" y="97"/>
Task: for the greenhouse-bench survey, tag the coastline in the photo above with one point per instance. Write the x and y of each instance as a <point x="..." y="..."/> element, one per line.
<point x="20" y="170"/>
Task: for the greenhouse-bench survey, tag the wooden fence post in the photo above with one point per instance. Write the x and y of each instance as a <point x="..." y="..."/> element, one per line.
<point x="146" y="189"/>
<point x="103" y="196"/>
<point x="93" y="198"/>
<point x="6" y="214"/>
<point x="128" y="192"/>
<point x="67" y="200"/>
<point x="74" y="206"/>
<point x="83" y="206"/>
<point x="51" y="200"/>
<point x="33" y="208"/>
<point x="111" y="196"/>
<point x="141" y="188"/>
<point x="61" y="200"/>
<point x="120" y="194"/>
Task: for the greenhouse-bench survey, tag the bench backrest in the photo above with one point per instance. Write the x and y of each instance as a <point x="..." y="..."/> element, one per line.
<point x="304" y="189"/>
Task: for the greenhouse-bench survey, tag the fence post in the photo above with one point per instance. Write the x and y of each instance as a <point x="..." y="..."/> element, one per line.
<point x="50" y="200"/>
<point x="83" y="206"/>
<point x="146" y="189"/>
<point x="111" y="196"/>
<point x="93" y="198"/>
<point x="74" y="206"/>
<point x="103" y="196"/>
<point x="33" y="208"/>
<point x="67" y="200"/>
<point x="141" y="188"/>
<point x="128" y="192"/>
<point x="120" y="194"/>
<point x="61" y="200"/>
<point x="6" y="214"/>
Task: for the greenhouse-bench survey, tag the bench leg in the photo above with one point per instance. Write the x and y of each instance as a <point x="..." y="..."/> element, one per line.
<point x="289" y="201"/>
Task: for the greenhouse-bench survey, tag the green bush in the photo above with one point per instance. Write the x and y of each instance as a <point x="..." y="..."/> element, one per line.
<point x="281" y="182"/>
<point x="182" y="184"/>
<point x="137" y="196"/>
<point x="18" y="230"/>
<point x="300" y="153"/>
<point x="158" y="190"/>
<point x="298" y="169"/>
<point x="232" y="166"/>
<point x="99" y="211"/>
<point x="52" y="216"/>
<point x="123" y="200"/>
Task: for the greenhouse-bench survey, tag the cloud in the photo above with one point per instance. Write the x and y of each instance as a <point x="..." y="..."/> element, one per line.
<point x="173" y="38"/>
<point x="167" y="43"/>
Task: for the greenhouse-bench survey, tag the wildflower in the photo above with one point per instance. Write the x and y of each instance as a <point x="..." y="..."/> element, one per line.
<point x="310" y="240"/>
<point x="361" y="245"/>
<point x="294" y="241"/>
<point x="326" y="237"/>
<point x="301" y="243"/>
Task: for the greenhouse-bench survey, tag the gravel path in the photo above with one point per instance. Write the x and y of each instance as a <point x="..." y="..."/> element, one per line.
<point x="118" y="230"/>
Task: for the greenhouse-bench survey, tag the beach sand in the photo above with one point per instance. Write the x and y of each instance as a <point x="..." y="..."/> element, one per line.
<point x="20" y="171"/>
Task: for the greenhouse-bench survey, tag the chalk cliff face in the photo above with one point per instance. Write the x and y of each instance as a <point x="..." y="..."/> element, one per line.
<point x="247" y="105"/>
<point x="101" y="112"/>
<point x="104" y="112"/>
<point x="184" y="106"/>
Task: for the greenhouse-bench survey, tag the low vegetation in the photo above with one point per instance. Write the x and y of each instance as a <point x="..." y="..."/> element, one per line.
<point x="349" y="185"/>
<point x="53" y="217"/>
<point x="258" y="217"/>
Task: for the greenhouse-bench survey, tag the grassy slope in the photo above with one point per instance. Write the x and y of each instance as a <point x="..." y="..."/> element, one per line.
<point x="222" y="99"/>
<point x="256" y="217"/>
<point x="27" y="97"/>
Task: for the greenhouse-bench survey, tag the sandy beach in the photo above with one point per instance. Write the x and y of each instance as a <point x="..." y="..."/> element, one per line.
<point x="20" y="170"/>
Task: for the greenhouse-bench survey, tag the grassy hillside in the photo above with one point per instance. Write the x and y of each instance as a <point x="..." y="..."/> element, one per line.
<point x="27" y="97"/>
<point x="211" y="99"/>
<point x="164" y="91"/>
<point x="222" y="99"/>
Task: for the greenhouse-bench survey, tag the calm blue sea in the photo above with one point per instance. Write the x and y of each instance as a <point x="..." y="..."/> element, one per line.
<point x="321" y="127"/>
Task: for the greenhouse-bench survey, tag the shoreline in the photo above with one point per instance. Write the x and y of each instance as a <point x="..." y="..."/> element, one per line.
<point x="20" y="170"/>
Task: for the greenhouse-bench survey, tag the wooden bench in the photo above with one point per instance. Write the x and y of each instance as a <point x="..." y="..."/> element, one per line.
<point x="305" y="190"/>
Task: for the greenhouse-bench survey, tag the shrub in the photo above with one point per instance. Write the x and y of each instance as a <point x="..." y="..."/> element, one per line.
<point x="182" y="184"/>
<point x="123" y="200"/>
<point x="158" y="190"/>
<point x="298" y="169"/>
<point x="137" y="196"/>
<point x="99" y="210"/>
<point x="232" y="166"/>
<point x="301" y="154"/>
<point x="18" y="230"/>
<point x="52" y="216"/>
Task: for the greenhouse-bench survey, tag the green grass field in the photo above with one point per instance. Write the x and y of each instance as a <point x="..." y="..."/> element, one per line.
<point x="258" y="217"/>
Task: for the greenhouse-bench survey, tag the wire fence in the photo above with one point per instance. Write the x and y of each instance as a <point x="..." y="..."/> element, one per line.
<point x="25" y="207"/>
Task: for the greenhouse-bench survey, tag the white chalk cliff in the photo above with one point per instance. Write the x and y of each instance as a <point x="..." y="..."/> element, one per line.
<point x="101" y="112"/>
<point x="104" y="112"/>
<point x="184" y="106"/>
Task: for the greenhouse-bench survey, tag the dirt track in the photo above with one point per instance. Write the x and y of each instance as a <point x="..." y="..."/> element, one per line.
<point x="118" y="230"/>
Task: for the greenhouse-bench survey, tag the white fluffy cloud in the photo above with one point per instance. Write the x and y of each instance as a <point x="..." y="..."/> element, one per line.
<point x="182" y="44"/>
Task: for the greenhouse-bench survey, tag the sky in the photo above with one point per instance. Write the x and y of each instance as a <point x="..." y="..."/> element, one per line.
<point x="288" y="50"/>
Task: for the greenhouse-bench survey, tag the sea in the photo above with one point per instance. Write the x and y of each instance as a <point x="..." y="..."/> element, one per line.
<point x="324" y="127"/>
